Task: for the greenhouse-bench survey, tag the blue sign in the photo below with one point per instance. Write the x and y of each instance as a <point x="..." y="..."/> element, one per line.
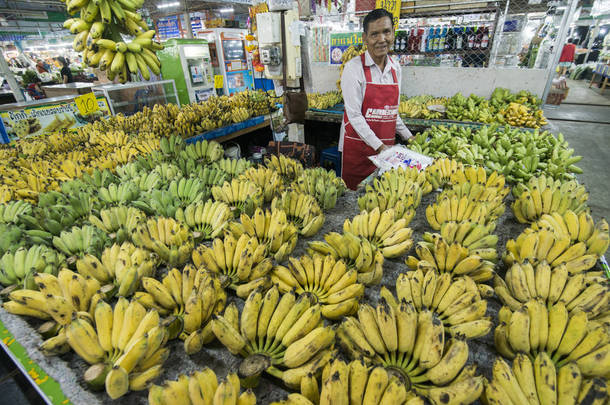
<point x="168" y="27"/>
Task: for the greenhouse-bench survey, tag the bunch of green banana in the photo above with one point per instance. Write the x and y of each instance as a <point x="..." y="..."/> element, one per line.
<point x="167" y="172"/>
<point x="80" y="241"/>
<point x="545" y="245"/>
<point x="390" y="236"/>
<point x="302" y="210"/>
<point x="454" y="208"/>
<point x="353" y="383"/>
<point x="542" y="195"/>
<point x="98" y="178"/>
<point x="210" y="176"/>
<point x="458" y="302"/>
<point x="119" y="194"/>
<point x="289" y="169"/>
<point x="157" y="202"/>
<point x="122" y="266"/>
<point x="232" y="167"/>
<point x="201" y="387"/>
<point x="206" y="220"/>
<point x="172" y="146"/>
<point x="539" y="381"/>
<point x="267" y="179"/>
<point x="524" y="282"/>
<point x="335" y="287"/>
<point x="323" y="184"/>
<point x="357" y="253"/>
<point x="450" y="258"/>
<point x="477" y="238"/>
<point x="241" y="195"/>
<point x="204" y="152"/>
<point x="280" y="334"/>
<point x="439" y="173"/>
<point x="190" y="298"/>
<point x="270" y="228"/>
<point x="564" y="336"/>
<point x="125" y="346"/>
<point x="116" y="221"/>
<point x="12" y="239"/>
<point x="170" y="240"/>
<point x="240" y="262"/>
<point x="61" y="298"/>
<point x="188" y="191"/>
<point x="20" y="267"/>
<point x="414" y="345"/>
<point x="10" y="211"/>
<point x="50" y="221"/>
<point x="147" y="182"/>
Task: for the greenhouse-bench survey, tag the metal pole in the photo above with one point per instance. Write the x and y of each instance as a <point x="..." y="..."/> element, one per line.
<point x="559" y="41"/>
<point x="8" y="75"/>
<point x="498" y="35"/>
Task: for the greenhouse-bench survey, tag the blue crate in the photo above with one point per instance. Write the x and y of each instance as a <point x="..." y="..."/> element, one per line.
<point x="331" y="155"/>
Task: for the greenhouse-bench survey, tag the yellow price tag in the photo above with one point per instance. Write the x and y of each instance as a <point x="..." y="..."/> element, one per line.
<point x="86" y="104"/>
<point x="218" y="81"/>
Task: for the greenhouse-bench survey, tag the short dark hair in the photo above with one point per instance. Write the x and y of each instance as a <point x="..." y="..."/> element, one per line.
<point x="375" y="15"/>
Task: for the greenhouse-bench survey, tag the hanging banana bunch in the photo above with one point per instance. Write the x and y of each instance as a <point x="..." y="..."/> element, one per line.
<point x="188" y="298"/>
<point x="282" y="335"/>
<point x="100" y="31"/>
<point x="271" y="229"/>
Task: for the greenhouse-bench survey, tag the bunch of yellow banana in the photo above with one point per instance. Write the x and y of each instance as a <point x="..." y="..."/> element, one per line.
<point x="201" y="387"/>
<point x="477" y="238"/>
<point x="289" y="169"/>
<point x="398" y="175"/>
<point x="478" y="175"/>
<point x="10" y="212"/>
<point x="565" y="336"/>
<point x="240" y="262"/>
<point x="203" y="151"/>
<point x="353" y="383"/>
<point x="542" y="195"/>
<point x="112" y="138"/>
<point x="325" y="100"/>
<point x="206" y="220"/>
<point x="302" y="210"/>
<point x="240" y="114"/>
<point x="6" y="194"/>
<point x="454" y="208"/>
<point x="494" y="197"/>
<point x="233" y="167"/>
<point x="390" y="236"/>
<point x="357" y="253"/>
<point x="520" y="115"/>
<point x="450" y="258"/>
<point x="458" y="302"/>
<point x="335" y="287"/>
<point x="123" y="266"/>
<point x="80" y="241"/>
<point x="240" y="195"/>
<point x="414" y="345"/>
<point x="170" y="240"/>
<point x="125" y="346"/>
<point x="271" y="229"/>
<point x="524" y="282"/>
<point x="20" y="267"/>
<point x="539" y="381"/>
<point x="323" y="184"/>
<point x="545" y="245"/>
<point x="267" y="179"/>
<point x="579" y="227"/>
<point x="123" y="154"/>
<point x="190" y="297"/>
<point x="402" y="210"/>
<point x="116" y="221"/>
<point x="280" y="334"/>
<point x="439" y="173"/>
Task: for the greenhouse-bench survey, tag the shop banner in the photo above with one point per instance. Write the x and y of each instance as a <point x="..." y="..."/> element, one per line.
<point x="196" y="25"/>
<point x="168" y="27"/>
<point x="340" y="41"/>
<point x="393" y="6"/>
<point x="46" y="119"/>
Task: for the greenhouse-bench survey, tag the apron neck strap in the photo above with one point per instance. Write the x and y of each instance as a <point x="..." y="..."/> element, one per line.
<point x="367" y="70"/>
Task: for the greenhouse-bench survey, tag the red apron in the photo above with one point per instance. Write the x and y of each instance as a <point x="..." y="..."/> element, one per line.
<point x="381" y="118"/>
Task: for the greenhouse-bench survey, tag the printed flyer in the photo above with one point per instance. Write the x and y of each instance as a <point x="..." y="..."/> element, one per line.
<point x="340" y="41"/>
<point x="46" y="119"/>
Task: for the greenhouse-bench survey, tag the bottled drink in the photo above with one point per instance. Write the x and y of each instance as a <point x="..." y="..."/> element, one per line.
<point x="478" y="37"/>
<point x="442" y="43"/>
<point x="405" y="41"/>
<point x="450" y="39"/>
<point x="423" y="42"/>
<point x="459" y="38"/>
<point x="470" y="36"/>
<point x="437" y="39"/>
<point x="430" y="40"/>
<point x="485" y="38"/>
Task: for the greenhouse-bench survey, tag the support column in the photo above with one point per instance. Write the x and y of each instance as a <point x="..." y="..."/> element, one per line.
<point x="8" y="75"/>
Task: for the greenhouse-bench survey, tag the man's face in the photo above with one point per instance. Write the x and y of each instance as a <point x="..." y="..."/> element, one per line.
<point x="379" y="38"/>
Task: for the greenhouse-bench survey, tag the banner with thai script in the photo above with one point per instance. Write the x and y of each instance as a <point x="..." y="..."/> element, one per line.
<point x="340" y="41"/>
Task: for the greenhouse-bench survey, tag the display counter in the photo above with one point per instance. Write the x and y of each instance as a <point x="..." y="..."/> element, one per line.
<point x="130" y="98"/>
<point x="40" y="117"/>
<point x="233" y="131"/>
<point x="68" y="89"/>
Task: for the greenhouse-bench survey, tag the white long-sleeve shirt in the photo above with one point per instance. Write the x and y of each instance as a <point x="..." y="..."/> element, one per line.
<point x="353" y="86"/>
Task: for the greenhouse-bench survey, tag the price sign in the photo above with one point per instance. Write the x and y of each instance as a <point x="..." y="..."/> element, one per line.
<point x="393" y="6"/>
<point x="218" y="81"/>
<point x="86" y="104"/>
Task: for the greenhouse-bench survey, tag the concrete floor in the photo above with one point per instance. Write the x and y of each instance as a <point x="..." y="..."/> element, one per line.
<point x="580" y="93"/>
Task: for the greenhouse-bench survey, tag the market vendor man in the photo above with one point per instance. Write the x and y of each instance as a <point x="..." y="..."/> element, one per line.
<point x="371" y="90"/>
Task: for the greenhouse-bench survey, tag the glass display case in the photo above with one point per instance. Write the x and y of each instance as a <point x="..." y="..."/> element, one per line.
<point x="129" y="98"/>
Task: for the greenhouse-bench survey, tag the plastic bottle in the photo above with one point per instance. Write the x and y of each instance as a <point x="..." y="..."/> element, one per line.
<point x="450" y="39"/>
<point x="423" y="43"/>
<point x="485" y="38"/>
<point x="470" y="35"/>
<point x="442" y="43"/>
<point x="459" y="38"/>
<point x="430" y="40"/>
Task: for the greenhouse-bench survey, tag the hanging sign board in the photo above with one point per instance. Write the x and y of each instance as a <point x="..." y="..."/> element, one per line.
<point x="393" y="6"/>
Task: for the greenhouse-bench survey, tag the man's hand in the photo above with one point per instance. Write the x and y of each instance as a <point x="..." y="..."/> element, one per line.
<point x="382" y="148"/>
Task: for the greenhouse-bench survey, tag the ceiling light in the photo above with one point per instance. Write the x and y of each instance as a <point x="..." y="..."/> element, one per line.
<point x="226" y="10"/>
<point x="167" y="5"/>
